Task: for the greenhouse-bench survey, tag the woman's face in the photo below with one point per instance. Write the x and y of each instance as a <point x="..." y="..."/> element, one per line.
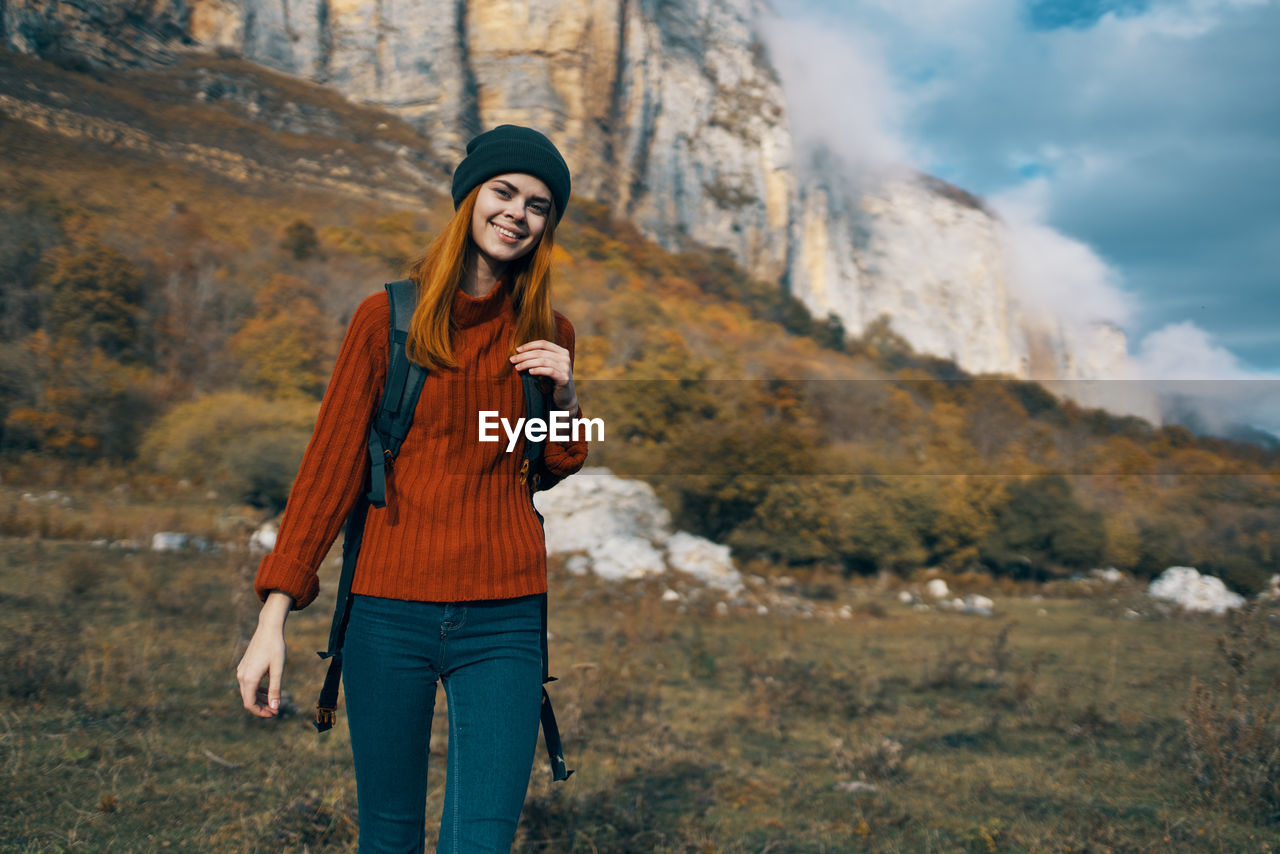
<point x="510" y="215"/>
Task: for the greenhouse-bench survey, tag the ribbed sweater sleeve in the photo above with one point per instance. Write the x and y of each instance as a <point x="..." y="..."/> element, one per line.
<point x="565" y="458"/>
<point x="333" y="466"/>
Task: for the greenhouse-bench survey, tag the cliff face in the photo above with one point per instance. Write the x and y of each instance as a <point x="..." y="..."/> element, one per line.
<point x="668" y="111"/>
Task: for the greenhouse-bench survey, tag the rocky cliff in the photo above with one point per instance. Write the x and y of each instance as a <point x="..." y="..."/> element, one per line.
<point x="668" y="110"/>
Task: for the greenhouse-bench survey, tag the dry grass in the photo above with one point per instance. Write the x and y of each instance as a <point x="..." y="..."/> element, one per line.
<point x="1061" y="726"/>
<point x="1233" y="722"/>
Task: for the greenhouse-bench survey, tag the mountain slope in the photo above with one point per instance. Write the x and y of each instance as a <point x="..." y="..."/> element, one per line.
<point x="672" y="116"/>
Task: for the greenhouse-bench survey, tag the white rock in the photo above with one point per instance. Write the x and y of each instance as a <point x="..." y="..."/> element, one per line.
<point x="1186" y="587"/>
<point x="1272" y="593"/>
<point x="762" y="610"/>
<point x="589" y="507"/>
<point x="169" y="541"/>
<point x="854" y="786"/>
<point x="975" y="603"/>
<point x="1110" y="574"/>
<point x="263" y="540"/>
<point x="670" y="595"/>
<point x="936" y="589"/>
<point x="905" y="597"/>
<point x="625" y="531"/>
<point x="705" y="560"/>
<point x="721" y="609"/>
<point x="622" y="558"/>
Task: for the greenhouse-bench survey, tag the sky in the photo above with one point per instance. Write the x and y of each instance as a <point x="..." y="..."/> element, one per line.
<point x="1132" y="146"/>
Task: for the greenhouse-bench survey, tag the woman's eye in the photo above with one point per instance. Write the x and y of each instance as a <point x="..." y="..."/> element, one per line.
<point x="502" y="192"/>
<point x="540" y="210"/>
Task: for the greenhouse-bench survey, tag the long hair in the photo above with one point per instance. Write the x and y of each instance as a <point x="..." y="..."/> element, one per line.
<point x="438" y="275"/>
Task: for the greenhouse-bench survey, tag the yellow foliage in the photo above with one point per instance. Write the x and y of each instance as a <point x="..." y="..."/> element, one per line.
<point x="246" y="444"/>
<point x="285" y="349"/>
<point x="1124" y="540"/>
<point x="560" y="257"/>
<point x="81" y="402"/>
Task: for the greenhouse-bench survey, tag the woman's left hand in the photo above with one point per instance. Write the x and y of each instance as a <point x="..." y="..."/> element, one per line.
<point x="546" y="359"/>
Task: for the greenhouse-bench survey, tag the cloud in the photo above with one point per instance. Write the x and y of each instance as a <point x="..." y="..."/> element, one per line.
<point x="1134" y="152"/>
<point x="839" y="94"/>
<point x="1055" y="276"/>
<point x="1199" y="382"/>
<point x="1184" y="351"/>
<point x="1182" y="19"/>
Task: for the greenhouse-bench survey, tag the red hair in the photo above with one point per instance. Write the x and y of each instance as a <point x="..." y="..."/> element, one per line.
<point x="438" y="275"/>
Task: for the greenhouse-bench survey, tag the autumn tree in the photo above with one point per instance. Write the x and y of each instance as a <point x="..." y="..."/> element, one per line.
<point x="285" y="349"/>
<point x="1040" y="528"/>
<point x="94" y="297"/>
<point x="73" y="402"/>
<point x="300" y="240"/>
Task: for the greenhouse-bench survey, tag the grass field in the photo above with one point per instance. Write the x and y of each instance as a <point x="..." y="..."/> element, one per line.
<point x="1063" y="723"/>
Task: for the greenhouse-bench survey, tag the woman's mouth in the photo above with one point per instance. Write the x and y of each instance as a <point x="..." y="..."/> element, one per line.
<point x="506" y="235"/>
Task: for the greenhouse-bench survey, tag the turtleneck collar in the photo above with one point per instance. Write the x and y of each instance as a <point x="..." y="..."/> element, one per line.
<point x="470" y="311"/>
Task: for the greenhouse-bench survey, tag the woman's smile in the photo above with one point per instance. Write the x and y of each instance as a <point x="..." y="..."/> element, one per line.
<point x="506" y="234"/>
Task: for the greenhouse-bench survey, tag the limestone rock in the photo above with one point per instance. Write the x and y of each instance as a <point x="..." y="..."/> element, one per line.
<point x="625" y="532"/>
<point x="1186" y="587"/>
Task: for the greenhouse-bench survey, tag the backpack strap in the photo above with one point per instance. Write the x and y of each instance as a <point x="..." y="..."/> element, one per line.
<point x="327" y="705"/>
<point x="400" y="395"/>
<point x="533" y="468"/>
<point x="535" y="476"/>
<point x="386" y="433"/>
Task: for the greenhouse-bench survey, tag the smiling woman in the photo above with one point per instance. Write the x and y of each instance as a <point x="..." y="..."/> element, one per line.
<point x="436" y="597"/>
<point x="511" y="212"/>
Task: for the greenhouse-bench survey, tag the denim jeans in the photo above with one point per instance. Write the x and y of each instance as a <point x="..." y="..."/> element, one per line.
<point x="488" y="654"/>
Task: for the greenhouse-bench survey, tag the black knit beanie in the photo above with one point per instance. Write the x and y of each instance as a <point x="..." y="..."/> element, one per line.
<point x="510" y="148"/>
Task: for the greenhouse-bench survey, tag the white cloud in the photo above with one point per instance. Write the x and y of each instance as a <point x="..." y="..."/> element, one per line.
<point x="1189" y="374"/>
<point x="1181" y="19"/>
<point x="1054" y="275"/>
<point x="839" y="94"/>
<point x="1150" y="135"/>
<point x="1184" y="351"/>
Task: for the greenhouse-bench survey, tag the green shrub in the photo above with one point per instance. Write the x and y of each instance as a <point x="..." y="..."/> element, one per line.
<point x="1042" y="527"/>
<point x="247" y="446"/>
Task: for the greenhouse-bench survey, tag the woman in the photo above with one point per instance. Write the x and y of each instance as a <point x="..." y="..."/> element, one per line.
<point x="450" y="572"/>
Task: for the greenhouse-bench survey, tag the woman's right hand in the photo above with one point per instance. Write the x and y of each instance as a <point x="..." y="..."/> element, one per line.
<point x="265" y="656"/>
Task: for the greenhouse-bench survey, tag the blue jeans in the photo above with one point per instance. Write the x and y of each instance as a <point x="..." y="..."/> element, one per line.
<point x="488" y="654"/>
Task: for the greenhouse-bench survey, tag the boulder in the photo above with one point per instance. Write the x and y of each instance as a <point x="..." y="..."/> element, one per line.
<point x="1187" y="588"/>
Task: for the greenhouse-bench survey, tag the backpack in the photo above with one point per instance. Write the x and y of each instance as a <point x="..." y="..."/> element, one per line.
<point x="387" y="431"/>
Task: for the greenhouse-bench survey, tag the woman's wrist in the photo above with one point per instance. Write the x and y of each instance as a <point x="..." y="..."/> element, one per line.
<point x="276" y="609"/>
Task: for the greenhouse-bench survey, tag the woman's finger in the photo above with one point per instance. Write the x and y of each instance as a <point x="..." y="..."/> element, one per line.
<point x="273" y="689"/>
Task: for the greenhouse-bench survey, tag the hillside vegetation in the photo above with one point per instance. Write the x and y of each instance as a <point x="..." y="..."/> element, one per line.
<point x="171" y="309"/>
<point x="159" y="314"/>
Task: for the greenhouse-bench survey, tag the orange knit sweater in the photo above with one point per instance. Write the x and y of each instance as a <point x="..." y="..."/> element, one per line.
<point x="458" y="524"/>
